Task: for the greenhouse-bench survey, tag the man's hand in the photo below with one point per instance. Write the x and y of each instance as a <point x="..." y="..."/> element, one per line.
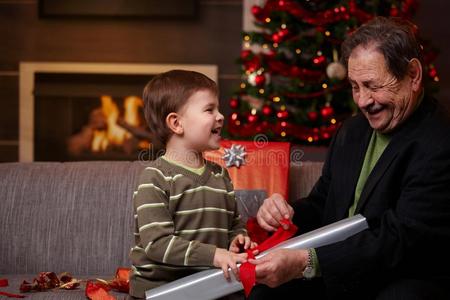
<point x="225" y="259"/>
<point x="241" y="243"/>
<point x="272" y="211"/>
<point x="280" y="266"/>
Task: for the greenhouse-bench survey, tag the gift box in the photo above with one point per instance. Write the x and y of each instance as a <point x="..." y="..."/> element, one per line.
<point x="258" y="169"/>
<point x="255" y="165"/>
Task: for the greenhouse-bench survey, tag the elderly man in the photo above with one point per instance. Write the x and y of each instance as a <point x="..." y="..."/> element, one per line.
<point x="390" y="163"/>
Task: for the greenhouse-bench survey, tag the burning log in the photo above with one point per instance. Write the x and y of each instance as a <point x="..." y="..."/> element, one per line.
<point x="107" y="131"/>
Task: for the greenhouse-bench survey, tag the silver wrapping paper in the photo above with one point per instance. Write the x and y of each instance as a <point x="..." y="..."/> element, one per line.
<point x="211" y="284"/>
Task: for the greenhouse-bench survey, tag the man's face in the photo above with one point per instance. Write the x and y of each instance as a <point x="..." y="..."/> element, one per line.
<point x="384" y="100"/>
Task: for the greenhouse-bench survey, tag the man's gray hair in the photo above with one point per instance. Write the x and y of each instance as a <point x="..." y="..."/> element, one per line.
<point x="393" y="37"/>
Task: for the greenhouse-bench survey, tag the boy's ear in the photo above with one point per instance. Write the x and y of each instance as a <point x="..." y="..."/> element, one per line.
<point x="174" y="124"/>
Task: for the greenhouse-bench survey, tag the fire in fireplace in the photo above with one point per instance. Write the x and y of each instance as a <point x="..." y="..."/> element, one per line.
<point x="90" y="117"/>
<point x="111" y="129"/>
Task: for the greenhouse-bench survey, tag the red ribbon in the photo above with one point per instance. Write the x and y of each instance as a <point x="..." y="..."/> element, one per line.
<point x="11" y="295"/>
<point x="3" y="283"/>
<point x="247" y="270"/>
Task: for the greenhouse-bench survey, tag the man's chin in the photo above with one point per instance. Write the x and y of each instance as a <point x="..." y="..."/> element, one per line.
<point x="377" y="125"/>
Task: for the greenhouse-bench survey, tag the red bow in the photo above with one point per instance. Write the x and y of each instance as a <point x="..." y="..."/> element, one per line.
<point x="247" y="270"/>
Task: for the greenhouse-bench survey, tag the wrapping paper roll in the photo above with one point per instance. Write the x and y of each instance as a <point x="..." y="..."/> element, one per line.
<point x="211" y="284"/>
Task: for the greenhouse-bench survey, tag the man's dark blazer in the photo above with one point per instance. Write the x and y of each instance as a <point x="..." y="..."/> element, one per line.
<point x="406" y="200"/>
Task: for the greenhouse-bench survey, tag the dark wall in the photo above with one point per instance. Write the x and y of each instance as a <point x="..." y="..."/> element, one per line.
<point x="212" y="37"/>
<point x="434" y="22"/>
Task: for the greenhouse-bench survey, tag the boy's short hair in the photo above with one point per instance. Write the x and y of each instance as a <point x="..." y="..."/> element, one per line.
<point x="168" y="92"/>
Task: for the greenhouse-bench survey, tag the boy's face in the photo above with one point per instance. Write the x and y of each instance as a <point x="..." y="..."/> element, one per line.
<point x="202" y="122"/>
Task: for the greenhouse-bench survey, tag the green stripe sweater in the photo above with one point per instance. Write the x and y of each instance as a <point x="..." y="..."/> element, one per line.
<point x="180" y="219"/>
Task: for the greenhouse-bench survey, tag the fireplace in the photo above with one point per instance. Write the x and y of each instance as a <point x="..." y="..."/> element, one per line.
<point x="86" y="111"/>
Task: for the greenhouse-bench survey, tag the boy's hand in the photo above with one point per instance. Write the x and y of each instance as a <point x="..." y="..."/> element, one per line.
<point x="241" y="243"/>
<point x="224" y="259"/>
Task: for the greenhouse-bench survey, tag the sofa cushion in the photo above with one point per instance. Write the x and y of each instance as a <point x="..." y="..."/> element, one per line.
<point x="75" y="217"/>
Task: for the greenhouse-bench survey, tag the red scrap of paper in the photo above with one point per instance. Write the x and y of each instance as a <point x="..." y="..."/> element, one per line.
<point x="121" y="282"/>
<point x="98" y="291"/>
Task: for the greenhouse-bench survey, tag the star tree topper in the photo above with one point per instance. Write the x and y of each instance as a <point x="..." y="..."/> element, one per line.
<point x="234" y="156"/>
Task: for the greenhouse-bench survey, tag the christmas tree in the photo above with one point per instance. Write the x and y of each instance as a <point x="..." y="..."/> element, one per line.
<point x="293" y="86"/>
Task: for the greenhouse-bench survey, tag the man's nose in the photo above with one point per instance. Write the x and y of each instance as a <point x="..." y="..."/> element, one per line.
<point x="364" y="98"/>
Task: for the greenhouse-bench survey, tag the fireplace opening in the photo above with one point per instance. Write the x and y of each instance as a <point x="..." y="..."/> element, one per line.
<point x="90" y="117"/>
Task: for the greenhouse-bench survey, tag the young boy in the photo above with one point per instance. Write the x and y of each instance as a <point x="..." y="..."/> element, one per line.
<point x="185" y="208"/>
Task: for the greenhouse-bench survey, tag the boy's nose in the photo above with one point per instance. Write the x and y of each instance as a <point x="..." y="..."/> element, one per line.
<point x="220" y="117"/>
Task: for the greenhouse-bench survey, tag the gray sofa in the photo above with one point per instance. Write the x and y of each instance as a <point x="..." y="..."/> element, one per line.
<point x="77" y="217"/>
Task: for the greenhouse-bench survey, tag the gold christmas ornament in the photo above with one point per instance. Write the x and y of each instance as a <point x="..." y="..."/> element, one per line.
<point x="336" y="70"/>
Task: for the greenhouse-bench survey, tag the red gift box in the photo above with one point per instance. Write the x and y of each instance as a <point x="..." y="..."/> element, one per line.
<point x="266" y="166"/>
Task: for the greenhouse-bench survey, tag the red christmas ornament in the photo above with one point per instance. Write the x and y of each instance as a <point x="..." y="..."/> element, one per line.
<point x="253" y="64"/>
<point x="252" y="118"/>
<point x="267" y="110"/>
<point x="319" y="60"/>
<point x="276" y="37"/>
<point x="257" y="11"/>
<point x="325" y="135"/>
<point x="234" y="103"/>
<point x="327" y="112"/>
<point x="284" y="33"/>
<point x="245" y="54"/>
<point x="260" y="79"/>
<point x="283" y="114"/>
<point x="313" y="116"/>
<point x="432" y="72"/>
<point x="394" y="11"/>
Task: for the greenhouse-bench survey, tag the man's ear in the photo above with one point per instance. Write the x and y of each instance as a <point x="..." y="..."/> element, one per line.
<point x="173" y="123"/>
<point x="415" y="73"/>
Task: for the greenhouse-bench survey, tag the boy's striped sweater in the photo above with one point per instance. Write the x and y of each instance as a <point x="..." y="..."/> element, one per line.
<point x="180" y="219"/>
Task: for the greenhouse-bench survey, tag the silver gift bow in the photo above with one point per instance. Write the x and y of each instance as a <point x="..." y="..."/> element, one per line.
<point x="234" y="156"/>
<point x="211" y="284"/>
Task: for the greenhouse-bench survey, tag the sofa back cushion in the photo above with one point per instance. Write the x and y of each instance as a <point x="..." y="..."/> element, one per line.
<point x="74" y="217"/>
